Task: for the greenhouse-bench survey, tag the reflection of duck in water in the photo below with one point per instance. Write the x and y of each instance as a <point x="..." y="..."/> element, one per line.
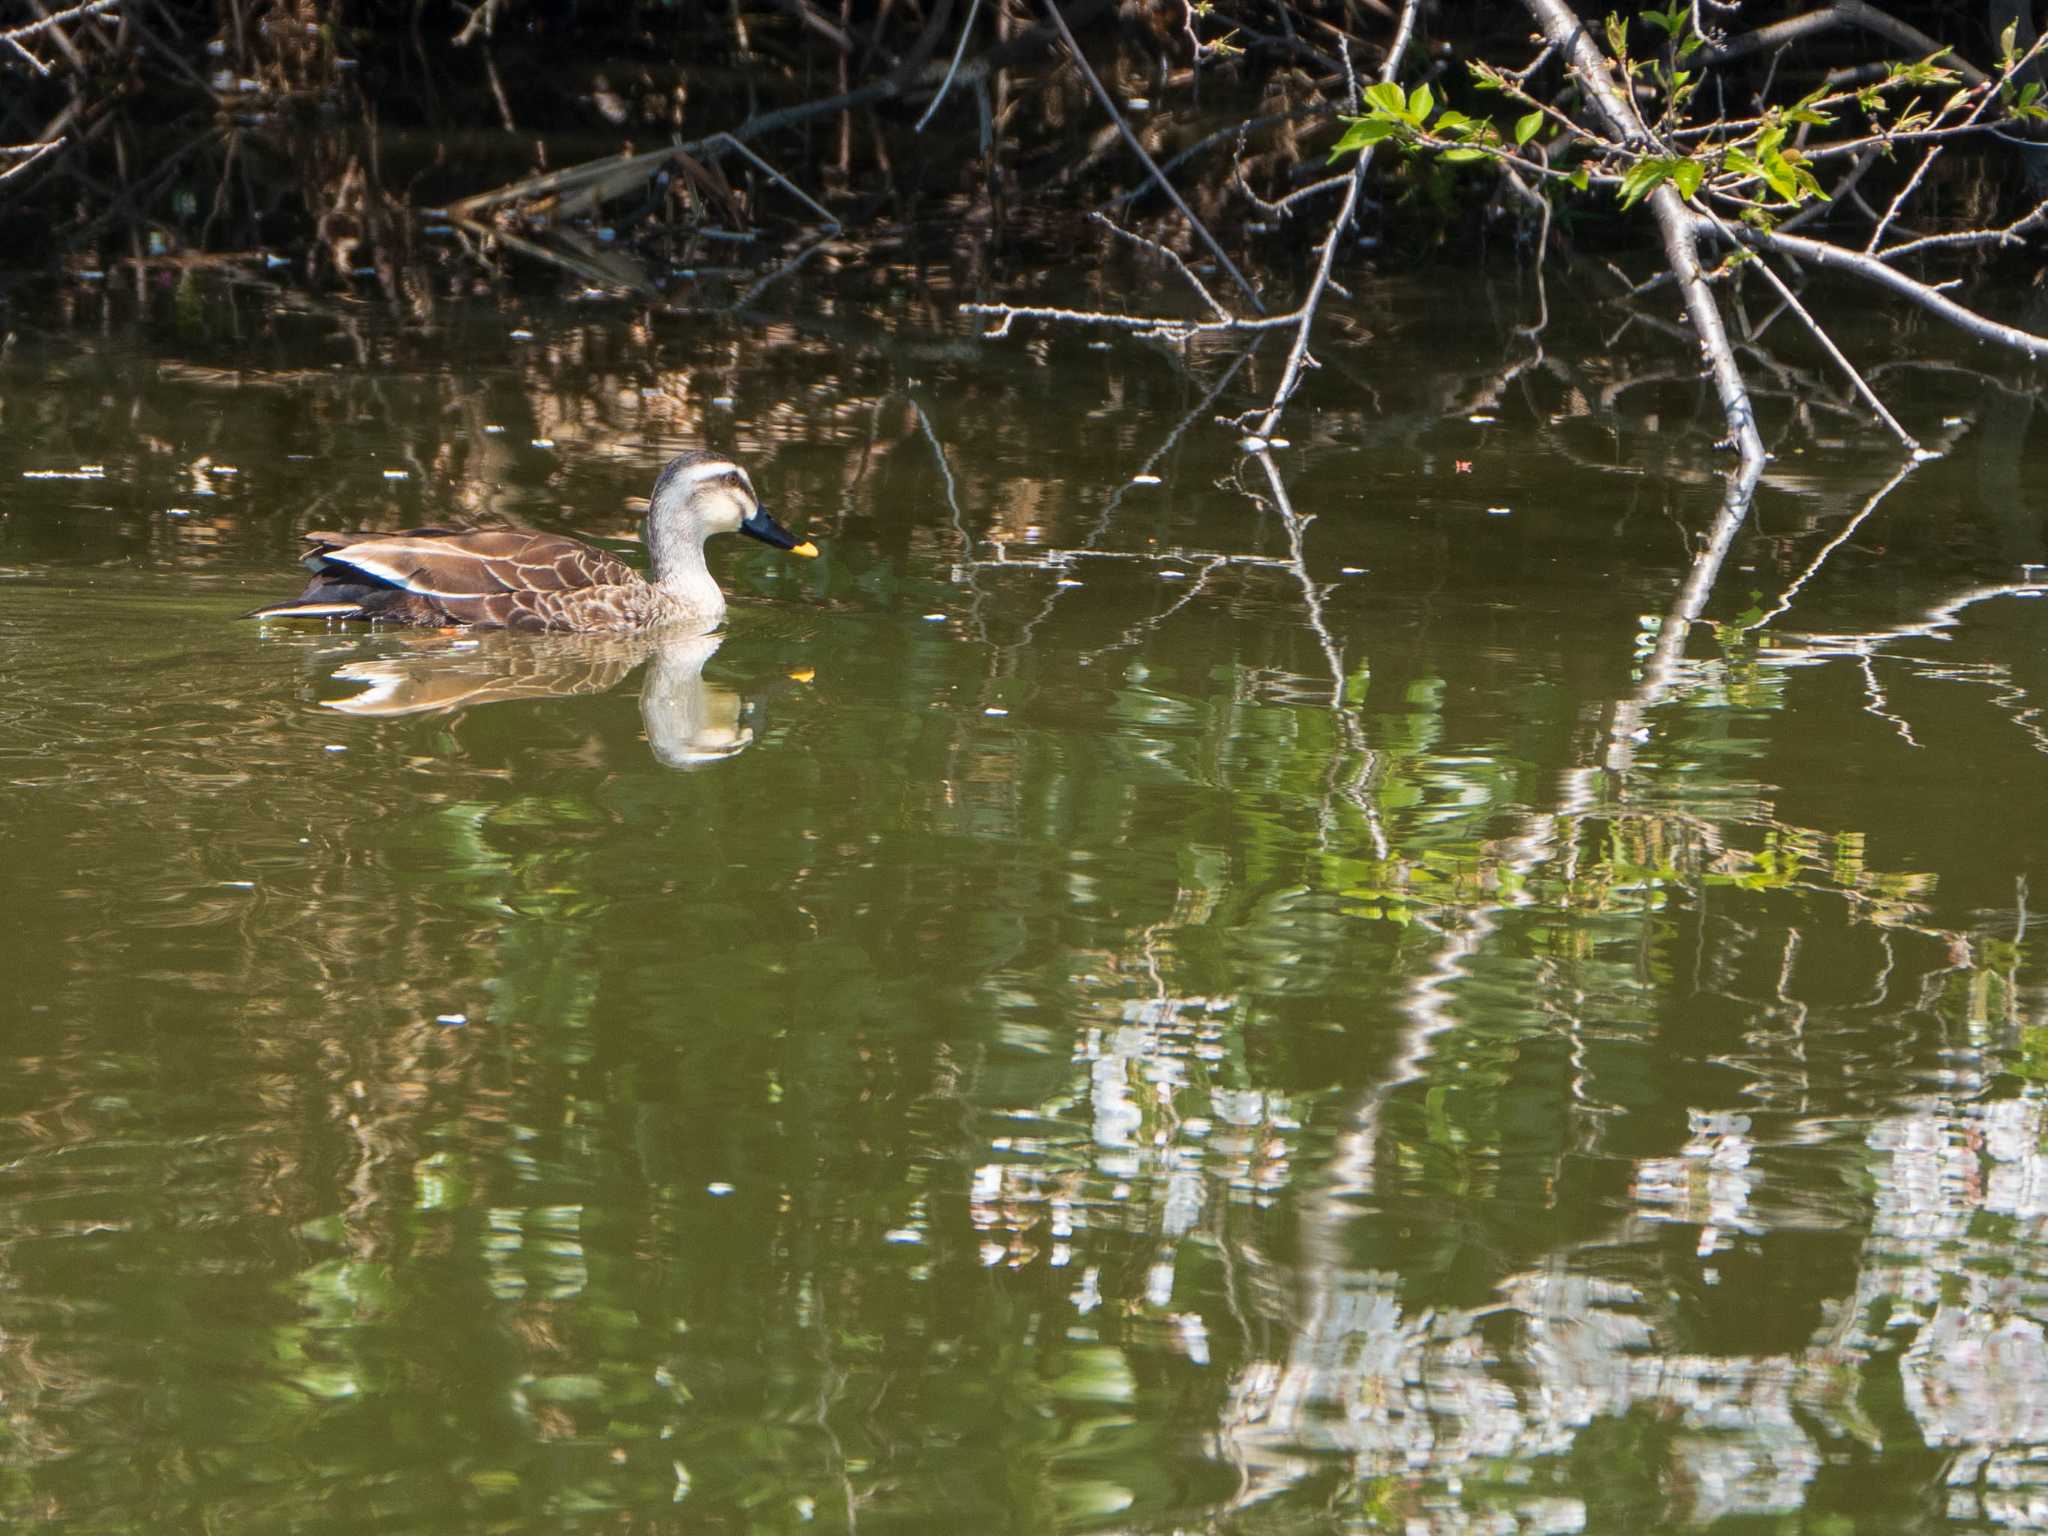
<point x="688" y="720"/>
<point x="518" y="578"/>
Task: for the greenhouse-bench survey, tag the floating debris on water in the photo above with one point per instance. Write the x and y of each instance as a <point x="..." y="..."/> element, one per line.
<point x="1145" y="480"/>
<point x="83" y="472"/>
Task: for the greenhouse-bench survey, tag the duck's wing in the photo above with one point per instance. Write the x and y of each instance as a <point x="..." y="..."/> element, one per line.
<point x="514" y="577"/>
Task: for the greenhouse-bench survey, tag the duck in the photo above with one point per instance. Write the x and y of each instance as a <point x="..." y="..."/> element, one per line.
<point x="525" y="579"/>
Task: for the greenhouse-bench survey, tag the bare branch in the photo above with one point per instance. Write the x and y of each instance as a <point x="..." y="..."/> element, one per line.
<point x="1563" y="28"/>
<point x="1102" y="95"/>
<point x="1833" y="257"/>
<point x="1838" y="13"/>
<point x="1170" y="254"/>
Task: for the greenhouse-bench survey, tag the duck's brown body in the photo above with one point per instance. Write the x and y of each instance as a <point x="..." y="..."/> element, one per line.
<point x="520" y="578"/>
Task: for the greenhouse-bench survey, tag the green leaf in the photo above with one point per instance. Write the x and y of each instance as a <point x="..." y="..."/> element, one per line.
<point x="1364" y="131"/>
<point x="2008" y="44"/>
<point x="1580" y="179"/>
<point x="1809" y="184"/>
<point x="1387" y="97"/>
<point x="1465" y="152"/>
<point x="1528" y="125"/>
<point x="1687" y="176"/>
<point x="1421" y="102"/>
<point x="1617" y="36"/>
<point x="1644" y="177"/>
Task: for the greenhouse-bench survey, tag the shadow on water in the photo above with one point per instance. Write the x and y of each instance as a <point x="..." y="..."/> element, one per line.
<point x="1461" y="972"/>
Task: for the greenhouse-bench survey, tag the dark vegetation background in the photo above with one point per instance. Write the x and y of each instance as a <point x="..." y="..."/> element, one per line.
<point x="311" y="130"/>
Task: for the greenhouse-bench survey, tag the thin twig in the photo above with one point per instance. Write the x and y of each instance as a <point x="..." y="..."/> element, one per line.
<point x="34" y="152"/>
<point x="1171" y="255"/>
<point x="1166" y="324"/>
<point x="1827" y="342"/>
<point x="48" y="23"/>
<point x="1822" y="254"/>
<point x="945" y="85"/>
<point x="1326" y="256"/>
<point x="1102" y="95"/>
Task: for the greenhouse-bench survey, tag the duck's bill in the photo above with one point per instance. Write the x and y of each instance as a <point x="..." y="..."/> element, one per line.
<point x="763" y="527"/>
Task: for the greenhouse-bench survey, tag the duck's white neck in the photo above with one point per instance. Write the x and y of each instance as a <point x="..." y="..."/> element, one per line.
<point x="679" y="569"/>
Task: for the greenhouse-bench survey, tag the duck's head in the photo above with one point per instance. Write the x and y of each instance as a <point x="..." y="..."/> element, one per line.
<point x="703" y="493"/>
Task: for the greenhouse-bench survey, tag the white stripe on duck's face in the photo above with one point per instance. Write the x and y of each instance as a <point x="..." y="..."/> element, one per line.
<point x="720" y="493"/>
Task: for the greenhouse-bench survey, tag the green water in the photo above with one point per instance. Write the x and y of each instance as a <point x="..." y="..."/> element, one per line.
<point x="1097" y="1005"/>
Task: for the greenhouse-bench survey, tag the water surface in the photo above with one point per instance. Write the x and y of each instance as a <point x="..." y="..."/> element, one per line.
<point x="1110" y="1001"/>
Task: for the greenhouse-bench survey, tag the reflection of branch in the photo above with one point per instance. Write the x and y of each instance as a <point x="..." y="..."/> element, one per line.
<point x="967" y="562"/>
<point x="1665" y="656"/>
<point x="763" y="284"/>
<point x="1353" y="737"/>
<point x="1137" y="631"/>
<point x="1202" y="405"/>
<point x="1813" y="567"/>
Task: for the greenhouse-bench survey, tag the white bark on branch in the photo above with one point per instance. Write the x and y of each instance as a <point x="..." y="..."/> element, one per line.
<point x="1563" y="30"/>
<point x="1837" y="259"/>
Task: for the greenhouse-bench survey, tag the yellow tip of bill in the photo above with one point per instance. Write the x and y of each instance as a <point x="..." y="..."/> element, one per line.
<point x="807" y="549"/>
